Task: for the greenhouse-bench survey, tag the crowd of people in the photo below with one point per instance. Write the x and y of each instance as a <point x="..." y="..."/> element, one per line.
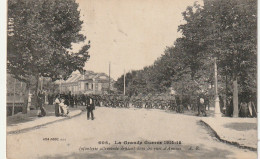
<point x="73" y="100"/>
<point x="171" y="102"/>
<point x="166" y="102"/>
<point x="199" y="103"/>
<point x="63" y="101"/>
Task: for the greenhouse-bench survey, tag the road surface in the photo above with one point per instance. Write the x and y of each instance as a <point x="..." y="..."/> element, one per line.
<point x="126" y="134"/>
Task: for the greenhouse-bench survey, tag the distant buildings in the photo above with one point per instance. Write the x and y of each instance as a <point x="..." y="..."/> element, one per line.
<point x="89" y="83"/>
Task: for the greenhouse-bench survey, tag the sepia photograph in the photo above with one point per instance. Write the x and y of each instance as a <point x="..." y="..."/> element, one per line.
<point x="131" y="79"/>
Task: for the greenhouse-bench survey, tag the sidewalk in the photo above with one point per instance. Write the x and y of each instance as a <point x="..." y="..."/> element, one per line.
<point x="241" y="132"/>
<point x="25" y="122"/>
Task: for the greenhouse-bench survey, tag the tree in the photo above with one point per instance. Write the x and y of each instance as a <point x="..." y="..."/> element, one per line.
<point x="119" y="84"/>
<point x="220" y="28"/>
<point x="234" y="26"/>
<point x="226" y="30"/>
<point x="44" y="31"/>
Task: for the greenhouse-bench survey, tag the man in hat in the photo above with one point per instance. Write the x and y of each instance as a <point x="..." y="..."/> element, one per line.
<point x="90" y="107"/>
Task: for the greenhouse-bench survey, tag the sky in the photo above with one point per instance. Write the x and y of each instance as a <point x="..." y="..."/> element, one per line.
<point x="130" y="34"/>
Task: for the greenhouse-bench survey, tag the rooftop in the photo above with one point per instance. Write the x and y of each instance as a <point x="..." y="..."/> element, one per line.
<point x="75" y="77"/>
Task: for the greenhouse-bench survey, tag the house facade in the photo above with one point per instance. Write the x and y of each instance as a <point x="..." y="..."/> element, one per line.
<point x="89" y="83"/>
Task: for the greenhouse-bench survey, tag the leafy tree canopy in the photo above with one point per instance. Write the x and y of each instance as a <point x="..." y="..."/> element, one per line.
<point x="44" y="31"/>
<point x="220" y="28"/>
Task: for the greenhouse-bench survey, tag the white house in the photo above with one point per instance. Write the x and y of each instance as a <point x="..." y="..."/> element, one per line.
<point x="89" y="83"/>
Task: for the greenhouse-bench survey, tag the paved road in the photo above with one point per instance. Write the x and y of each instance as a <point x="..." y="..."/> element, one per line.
<point x="78" y="138"/>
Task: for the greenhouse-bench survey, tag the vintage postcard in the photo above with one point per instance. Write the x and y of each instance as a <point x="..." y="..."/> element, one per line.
<point x="131" y="79"/>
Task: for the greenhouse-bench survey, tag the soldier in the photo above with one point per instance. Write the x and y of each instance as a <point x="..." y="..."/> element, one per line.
<point x="126" y="101"/>
<point x="42" y="111"/>
<point x="207" y="102"/>
<point x="83" y="99"/>
<point x="178" y="102"/>
<point x="49" y="99"/>
<point x="52" y="98"/>
<point x="66" y="99"/>
<point x="70" y="99"/>
<point x="107" y="100"/>
<point x="76" y="100"/>
<point x="113" y="101"/>
<point x="103" y="100"/>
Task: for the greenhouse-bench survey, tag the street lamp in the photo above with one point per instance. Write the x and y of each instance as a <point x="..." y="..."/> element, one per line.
<point x="217" y="106"/>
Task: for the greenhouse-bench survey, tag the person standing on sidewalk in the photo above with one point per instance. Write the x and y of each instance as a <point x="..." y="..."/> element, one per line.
<point x="71" y="99"/>
<point x="201" y="106"/>
<point x="57" y="107"/>
<point x="90" y="107"/>
<point x="41" y="110"/>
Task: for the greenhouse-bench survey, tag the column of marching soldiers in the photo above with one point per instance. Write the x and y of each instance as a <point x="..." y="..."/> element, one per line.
<point x="171" y="102"/>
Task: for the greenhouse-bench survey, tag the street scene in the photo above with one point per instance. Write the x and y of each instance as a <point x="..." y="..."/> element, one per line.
<point x="78" y="137"/>
<point x="131" y="79"/>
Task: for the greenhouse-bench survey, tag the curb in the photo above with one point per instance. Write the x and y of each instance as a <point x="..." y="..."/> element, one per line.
<point x="39" y="126"/>
<point x="226" y="141"/>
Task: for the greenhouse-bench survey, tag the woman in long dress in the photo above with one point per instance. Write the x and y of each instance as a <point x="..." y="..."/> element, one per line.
<point x="64" y="107"/>
<point x="57" y="107"/>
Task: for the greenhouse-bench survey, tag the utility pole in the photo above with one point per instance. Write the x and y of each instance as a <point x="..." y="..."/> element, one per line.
<point x="217" y="107"/>
<point x="124" y="82"/>
<point x="109" y="79"/>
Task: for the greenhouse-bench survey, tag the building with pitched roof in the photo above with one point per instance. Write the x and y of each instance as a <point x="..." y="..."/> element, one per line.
<point x="89" y="83"/>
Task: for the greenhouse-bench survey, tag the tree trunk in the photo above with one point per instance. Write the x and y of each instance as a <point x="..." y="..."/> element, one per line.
<point x="226" y="99"/>
<point x="235" y="98"/>
<point x="36" y="92"/>
<point x="26" y="98"/>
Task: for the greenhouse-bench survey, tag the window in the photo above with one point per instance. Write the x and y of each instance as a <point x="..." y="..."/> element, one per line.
<point x="86" y="86"/>
<point x="75" y="89"/>
<point x="99" y="86"/>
